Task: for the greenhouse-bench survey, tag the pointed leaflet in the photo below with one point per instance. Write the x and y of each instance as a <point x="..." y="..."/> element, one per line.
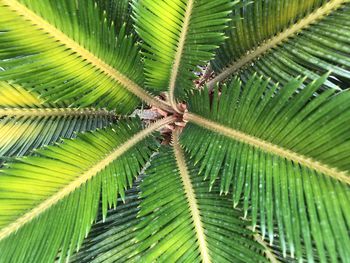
<point x="113" y="239"/>
<point x="260" y="21"/>
<point x="179" y="35"/>
<point x="118" y="12"/>
<point x="70" y="51"/>
<point x="285" y="39"/>
<point x="55" y="199"/>
<point x="182" y="221"/>
<point x="285" y="154"/>
<point x="27" y="123"/>
<point x="15" y="96"/>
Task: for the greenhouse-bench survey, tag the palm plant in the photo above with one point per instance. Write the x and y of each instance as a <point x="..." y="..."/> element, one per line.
<point x="252" y="93"/>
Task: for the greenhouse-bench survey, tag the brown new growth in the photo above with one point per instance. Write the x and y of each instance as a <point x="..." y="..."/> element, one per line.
<point x="155" y="113"/>
<point x="178" y="124"/>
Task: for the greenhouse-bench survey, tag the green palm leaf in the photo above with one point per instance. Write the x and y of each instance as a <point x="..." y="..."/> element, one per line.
<point x="113" y="239"/>
<point x="285" y="39"/>
<point x="187" y="34"/>
<point x="183" y="222"/>
<point x="55" y="199"/>
<point x="15" y="96"/>
<point x="183" y="226"/>
<point x="108" y="64"/>
<point x="27" y="123"/>
<point x="20" y="134"/>
<point x="118" y="12"/>
<point x="284" y="154"/>
<point x="260" y="21"/>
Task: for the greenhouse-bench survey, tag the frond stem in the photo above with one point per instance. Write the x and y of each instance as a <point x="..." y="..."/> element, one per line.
<point x="191" y="197"/>
<point x="178" y="55"/>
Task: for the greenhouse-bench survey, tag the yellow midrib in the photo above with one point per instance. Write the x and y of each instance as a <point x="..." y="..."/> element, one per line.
<point x="179" y="52"/>
<point x="269" y="147"/>
<point x="87" y="175"/>
<point x="85" y="54"/>
<point x="255" y="53"/>
<point x="47" y="112"/>
<point x="191" y="198"/>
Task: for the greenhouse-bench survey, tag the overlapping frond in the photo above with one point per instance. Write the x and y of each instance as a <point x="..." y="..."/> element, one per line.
<point x="20" y="134"/>
<point x="69" y="51"/>
<point x="113" y="239"/>
<point x="15" y="96"/>
<point x="179" y="36"/>
<point x="285" y="39"/>
<point x="27" y="123"/>
<point x="282" y="153"/>
<point x="48" y="201"/>
<point x="182" y="221"/>
<point x="260" y="20"/>
<point x="285" y="154"/>
<point x="118" y="12"/>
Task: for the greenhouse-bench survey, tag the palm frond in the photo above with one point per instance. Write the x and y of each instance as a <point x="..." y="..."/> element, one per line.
<point x="285" y="39"/>
<point x="161" y="227"/>
<point x="285" y="155"/>
<point x="21" y="134"/>
<point x="27" y="123"/>
<point x="15" y="96"/>
<point x="187" y="34"/>
<point x="54" y="54"/>
<point x="55" y="198"/>
<point x="260" y="21"/>
<point x="255" y="172"/>
<point x="118" y="12"/>
<point x="182" y="221"/>
<point x="113" y="239"/>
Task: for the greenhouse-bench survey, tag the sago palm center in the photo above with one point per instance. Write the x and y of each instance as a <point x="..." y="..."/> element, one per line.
<point x="169" y="131"/>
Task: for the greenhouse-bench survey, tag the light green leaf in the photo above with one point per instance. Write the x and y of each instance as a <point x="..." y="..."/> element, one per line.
<point x="69" y="51"/>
